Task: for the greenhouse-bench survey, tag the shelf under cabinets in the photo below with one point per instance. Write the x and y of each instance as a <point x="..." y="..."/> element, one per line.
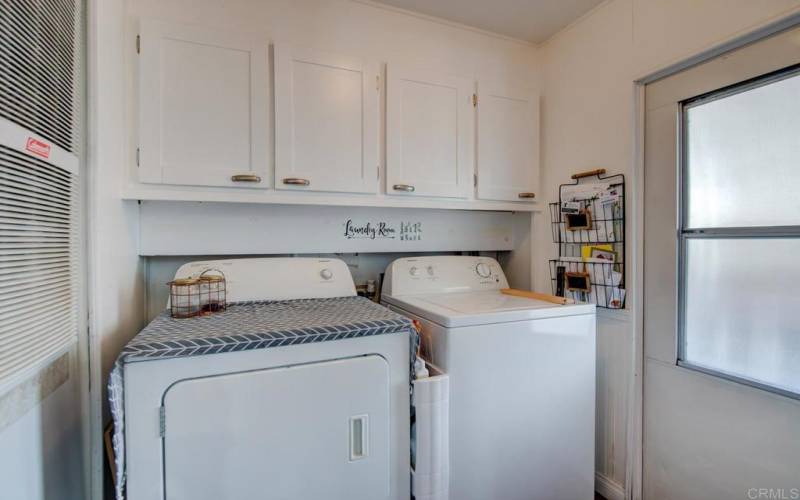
<point x="227" y="195"/>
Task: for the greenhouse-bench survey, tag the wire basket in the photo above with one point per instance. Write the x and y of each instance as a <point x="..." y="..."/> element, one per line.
<point x="595" y="282"/>
<point x="192" y="297"/>
<point x="607" y="226"/>
<point x="590" y="238"/>
<point x="213" y="292"/>
<point x="184" y="297"/>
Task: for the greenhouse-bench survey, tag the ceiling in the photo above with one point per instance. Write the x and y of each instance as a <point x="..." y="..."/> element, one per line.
<point x="531" y="20"/>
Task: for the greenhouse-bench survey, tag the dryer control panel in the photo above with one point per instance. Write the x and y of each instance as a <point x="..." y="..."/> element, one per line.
<point x="445" y="273"/>
<point x="278" y="278"/>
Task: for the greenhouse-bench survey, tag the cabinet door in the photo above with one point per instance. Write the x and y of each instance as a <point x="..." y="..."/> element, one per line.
<point x="508" y="143"/>
<point x="429" y="134"/>
<point x="326" y="121"/>
<point x="203" y="107"/>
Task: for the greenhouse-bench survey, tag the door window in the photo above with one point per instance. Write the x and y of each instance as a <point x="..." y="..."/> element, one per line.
<point x="740" y="233"/>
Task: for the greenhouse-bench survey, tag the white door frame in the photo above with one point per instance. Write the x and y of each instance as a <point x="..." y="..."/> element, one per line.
<point x="634" y="452"/>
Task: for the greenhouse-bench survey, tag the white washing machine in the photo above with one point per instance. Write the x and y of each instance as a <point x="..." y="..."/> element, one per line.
<point x="288" y="400"/>
<point x="521" y="374"/>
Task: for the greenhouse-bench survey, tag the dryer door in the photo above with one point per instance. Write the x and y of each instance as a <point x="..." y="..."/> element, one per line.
<point x="313" y="431"/>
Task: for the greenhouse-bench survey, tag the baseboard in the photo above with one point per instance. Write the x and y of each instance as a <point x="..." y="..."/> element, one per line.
<point x="610" y="489"/>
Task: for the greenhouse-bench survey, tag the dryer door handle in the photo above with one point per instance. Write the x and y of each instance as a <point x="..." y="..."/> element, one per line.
<point x="359" y="437"/>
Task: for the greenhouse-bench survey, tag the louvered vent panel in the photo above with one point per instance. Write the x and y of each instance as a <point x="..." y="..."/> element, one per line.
<point x="38" y="260"/>
<point x="40" y="68"/>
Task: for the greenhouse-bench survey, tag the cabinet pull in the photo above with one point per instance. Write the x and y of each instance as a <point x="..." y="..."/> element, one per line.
<point x="245" y="178"/>
<point x="527" y="195"/>
<point x="294" y="181"/>
<point x="403" y="187"/>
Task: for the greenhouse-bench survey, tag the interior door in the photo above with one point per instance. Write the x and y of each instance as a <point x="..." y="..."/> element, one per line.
<point x="508" y="142"/>
<point x="430" y="123"/>
<point x="313" y="431"/>
<point x="203" y="104"/>
<point x="326" y="129"/>
<point x="721" y="234"/>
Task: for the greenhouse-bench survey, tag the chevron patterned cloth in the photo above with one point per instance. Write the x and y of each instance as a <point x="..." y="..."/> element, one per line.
<point x="245" y="326"/>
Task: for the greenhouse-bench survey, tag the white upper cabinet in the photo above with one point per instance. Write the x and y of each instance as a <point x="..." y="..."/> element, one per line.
<point x="429" y="134"/>
<point x="203" y="107"/>
<point x="508" y="143"/>
<point x="326" y="121"/>
<point x="207" y="118"/>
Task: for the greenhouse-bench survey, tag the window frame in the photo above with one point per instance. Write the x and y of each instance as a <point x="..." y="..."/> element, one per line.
<point x="686" y="233"/>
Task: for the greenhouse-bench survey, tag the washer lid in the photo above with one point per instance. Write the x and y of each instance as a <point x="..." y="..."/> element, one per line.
<point x="482" y="308"/>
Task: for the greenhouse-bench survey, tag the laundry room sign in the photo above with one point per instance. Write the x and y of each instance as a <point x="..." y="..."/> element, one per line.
<point x="181" y="228"/>
<point x="381" y="229"/>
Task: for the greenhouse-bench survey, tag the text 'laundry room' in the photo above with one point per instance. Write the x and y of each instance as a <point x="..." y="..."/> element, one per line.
<point x="399" y="250"/>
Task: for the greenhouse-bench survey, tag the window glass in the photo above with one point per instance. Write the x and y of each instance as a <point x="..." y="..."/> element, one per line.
<point x="741" y="308"/>
<point x="743" y="158"/>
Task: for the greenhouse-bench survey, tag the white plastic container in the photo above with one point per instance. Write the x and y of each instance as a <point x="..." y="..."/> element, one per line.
<point x="431" y="472"/>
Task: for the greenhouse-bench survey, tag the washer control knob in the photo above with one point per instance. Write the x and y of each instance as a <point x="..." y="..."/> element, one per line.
<point x="430" y="270"/>
<point x="326" y="274"/>
<point x="414" y="271"/>
<point x="483" y="270"/>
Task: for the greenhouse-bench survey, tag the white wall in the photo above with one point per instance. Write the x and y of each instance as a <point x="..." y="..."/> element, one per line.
<point x="588" y="122"/>
<point x="117" y="272"/>
<point x="188" y="228"/>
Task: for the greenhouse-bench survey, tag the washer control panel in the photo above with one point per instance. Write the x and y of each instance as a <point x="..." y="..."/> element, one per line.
<point x="443" y="273"/>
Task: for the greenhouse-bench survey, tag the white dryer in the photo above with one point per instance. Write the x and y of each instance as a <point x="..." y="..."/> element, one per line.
<point x="521" y="374"/>
<point x="300" y="390"/>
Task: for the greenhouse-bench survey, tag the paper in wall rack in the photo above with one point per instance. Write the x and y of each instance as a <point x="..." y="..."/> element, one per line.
<point x="588" y="226"/>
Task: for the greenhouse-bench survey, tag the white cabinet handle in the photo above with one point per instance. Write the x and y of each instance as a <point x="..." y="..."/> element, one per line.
<point x="245" y="178"/>
<point x="527" y="195"/>
<point x="294" y="181"/>
<point x="403" y="187"/>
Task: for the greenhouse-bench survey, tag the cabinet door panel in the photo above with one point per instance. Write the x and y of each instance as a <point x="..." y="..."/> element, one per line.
<point x="508" y="143"/>
<point x="203" y="107"/>
<point x="429" y="134"/>
<point x="326" y="121"/>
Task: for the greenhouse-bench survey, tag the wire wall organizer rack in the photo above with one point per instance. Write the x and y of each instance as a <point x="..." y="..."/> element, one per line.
<point x="588" y="226"/>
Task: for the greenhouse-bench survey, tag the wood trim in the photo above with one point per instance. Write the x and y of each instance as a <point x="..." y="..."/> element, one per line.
<point x="537" y="296"/>
<point x="634" y="454"/>
<point x="589" y="173"/>
<point x="609" y="489"/>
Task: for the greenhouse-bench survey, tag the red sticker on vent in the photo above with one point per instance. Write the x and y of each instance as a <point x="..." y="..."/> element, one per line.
<point x="38" y="147"/>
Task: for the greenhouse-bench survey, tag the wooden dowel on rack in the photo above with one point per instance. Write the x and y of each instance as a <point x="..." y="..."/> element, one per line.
<point x="589" y="173"/>
<point x="538" y="296"/>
